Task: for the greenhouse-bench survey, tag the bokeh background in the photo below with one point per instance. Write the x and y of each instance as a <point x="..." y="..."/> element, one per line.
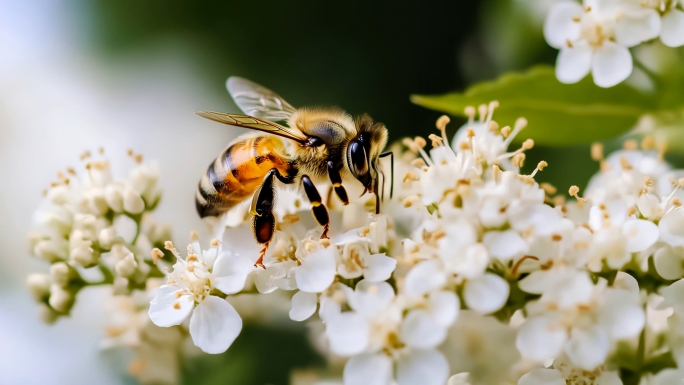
<point x="77" y="75"/>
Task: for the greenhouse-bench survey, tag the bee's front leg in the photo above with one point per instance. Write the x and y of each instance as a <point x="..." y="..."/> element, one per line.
<point x="320" y="213"/>
<point x="336" y="180"/>
<point x="263" y="220"/>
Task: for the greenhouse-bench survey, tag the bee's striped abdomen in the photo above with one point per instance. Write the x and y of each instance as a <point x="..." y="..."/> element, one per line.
<point x="240" y="169"/>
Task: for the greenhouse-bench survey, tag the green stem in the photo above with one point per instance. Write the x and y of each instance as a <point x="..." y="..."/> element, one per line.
<point x="108" y="277"/>
<point x="138" y="229"/>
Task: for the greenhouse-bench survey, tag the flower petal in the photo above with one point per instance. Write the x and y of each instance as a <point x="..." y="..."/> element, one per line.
<point x="419" y="330"/>
<point x="424" y="277"/>
<point x="214" y="325"/>
<point x="672" y="28"/>
<point x="424" y="367"/>
<point x="641" y="234"/>
<point x="317" y="271"/>
<point x="163" y="309"/>
<point x="347" y="333"/>
<point x="540" y="339"/>
<point x="231" y="271"/>
<point x="505" y="245"/>
<point x="612" y="63"/>
<point x="542" y="377"/>
<point x="303" y="305"/>
<point x="370" y="298"/>
<point x="671" y="228"/>
<point x="375" y="369"/>
<point x="444" y="307"/>
<point x="559" y="26"/>
<point x="587" y="348"/>
<point x="668" y="262"/>
<point x="636" y="27"/>
<point x="573" y="64"/>
<point x="379" y="267"/>
<point x="486" y="294"/>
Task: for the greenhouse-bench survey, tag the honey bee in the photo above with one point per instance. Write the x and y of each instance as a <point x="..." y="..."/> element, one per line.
<point x="323" y="145"/>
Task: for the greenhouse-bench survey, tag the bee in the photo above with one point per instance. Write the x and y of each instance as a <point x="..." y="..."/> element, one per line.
<point x="304" y="147"/>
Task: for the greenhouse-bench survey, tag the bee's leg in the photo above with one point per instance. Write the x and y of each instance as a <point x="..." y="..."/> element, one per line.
<point x="263" y="220"/>
<point x="318" y="209"/>
<point x="336" y="180"/>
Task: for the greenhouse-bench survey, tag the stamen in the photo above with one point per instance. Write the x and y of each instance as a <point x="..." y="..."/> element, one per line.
<point x="518" y="160"/>
<point x="482" y="110"/>
<point x="193" y="235"/>
<point x="648" y="143"/>
<point x="519" y="125"/>
<point x="574" y="192"/>
<point x="514" y="270"/>
<point x="214" y="242"/>
<point x="436" y="140"/>
<point x="496" y="171"/>
<point x="418" y="163"/>
<point x="420" y="144"/>
<point x="410" y="177"/>
<point x="494" y="127"/>
<point x="492" y="106"/>
<point x="597" y="151"/>
<point x="156" y="255"/>
<point x="630" y="145"/>
<point x="625" y="164"/>
<point x="470" y="113"/>
<point x="548" y="188"/>
<point x="506" y="131"/>
<point x="441" y="126"/>
<point x="540" y="166"/>
<point x="168" y="245"/>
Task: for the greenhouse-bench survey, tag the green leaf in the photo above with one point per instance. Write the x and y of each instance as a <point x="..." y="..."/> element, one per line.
<point x="558" y="114"/>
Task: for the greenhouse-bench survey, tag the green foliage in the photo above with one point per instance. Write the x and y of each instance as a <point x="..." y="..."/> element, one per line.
<point x="558" y="114"/>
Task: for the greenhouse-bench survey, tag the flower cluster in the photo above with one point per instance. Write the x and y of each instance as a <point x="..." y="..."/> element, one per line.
<point x="474" y="270"/>
<point x="596" y="36"/>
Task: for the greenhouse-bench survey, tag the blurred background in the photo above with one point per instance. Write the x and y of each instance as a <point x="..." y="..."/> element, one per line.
<point x="76" y="75"/>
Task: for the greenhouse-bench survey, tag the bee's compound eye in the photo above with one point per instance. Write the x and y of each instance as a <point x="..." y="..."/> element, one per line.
<point x="357" y="159"/>
<point x="314" y="141"/>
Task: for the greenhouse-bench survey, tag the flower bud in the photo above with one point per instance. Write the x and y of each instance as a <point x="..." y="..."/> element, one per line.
<point x="84" y="255"/>
<point x="96" y="200"/>
<point x="39" y="286"/>
<point x="159" y="233"/>
<point x="132" y="202"/>
<point x="106" y="238"/>
<point x="114" y="197"/>
<point x="143" y="178"/>
<point x="60" y="299"/>
<point x="100" y="173"/>
<point x="86" y="223"/>
<point x="121" y="286"/>
<point x="47" y="314"/>
<point x="51" y="250"/>
<point x="59" y="219"/>
<point x="58" y="195"/>
<point x="126" y="267"/>
<point x="60" y="274"/>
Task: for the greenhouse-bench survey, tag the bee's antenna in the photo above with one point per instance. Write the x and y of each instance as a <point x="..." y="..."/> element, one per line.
<point x="391" y="155"/>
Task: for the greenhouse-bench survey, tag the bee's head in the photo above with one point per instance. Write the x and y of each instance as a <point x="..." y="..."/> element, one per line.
<point x="363" y="152"/>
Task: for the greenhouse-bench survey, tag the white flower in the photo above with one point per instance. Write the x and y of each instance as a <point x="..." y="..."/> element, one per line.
<point x="486" y="294"/>
<point x="585" y="37"/>
<point x="214" y="323"/>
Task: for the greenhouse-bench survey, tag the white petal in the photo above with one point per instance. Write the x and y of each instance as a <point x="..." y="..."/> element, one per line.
<point x="668" y="262"/>
<point x="674" y="296"/>
<point x="671" y="228"/>
<point x="264" y="280"/>
<point x="542" y="377"/>
<point x="372" y="369"/>
<point x="573" y="64"/>
<point x="214" y="325"/>
<point x="303" y="305"/>
<point x="316" y="272"/>
<point x="621" y="316"/>
<point x="371" y="298"/>
<point x="379" y="267"/>
<point x="347" y="333"/>
<point x="637" y="27"/>
<point x="612" y="63"/>
<point x="444" y="307"/>
<point x="486" y="294"/>
<point x="672" y="28"/>
<point x="469" y="264"/>
<point x="505" y="245"/>
<point x="163" y="311"/>
<point x="459" y="379"/>
<point x="419" y="330"/>
<point x="641" y="234"/>
<point x="559" y="26"/>
<point x="667" y="377"/>
<point x="424" y="277"/>
<point x="424" y="367"/>
<point x="539" y="219"/>
<point x="587" y="348"/>
<point x="230" y="272"/>
<point x="540" y="338"/>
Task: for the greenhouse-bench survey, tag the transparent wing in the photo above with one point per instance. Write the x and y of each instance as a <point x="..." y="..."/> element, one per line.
<point x="258" y="101"/>
<point x="253" y="123"/>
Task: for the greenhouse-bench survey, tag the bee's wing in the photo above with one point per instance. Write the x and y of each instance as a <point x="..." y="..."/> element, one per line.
<point x="258" y="101"/>
<point x="253" y="123"/>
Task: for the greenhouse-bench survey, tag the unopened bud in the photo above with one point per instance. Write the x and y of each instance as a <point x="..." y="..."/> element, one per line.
<point x="84" y="255"/>
<point x="51" y="250"/>
<point x="60" y="299"/>
<point x="106" y="238"/>
<point x="114" y="197"/>
<point x="60" y="274"/>
<point x="126" y="267"/>
<point x="39" y="286"/>
<point x="132" y="202"/>
<point x="121" y="286"/>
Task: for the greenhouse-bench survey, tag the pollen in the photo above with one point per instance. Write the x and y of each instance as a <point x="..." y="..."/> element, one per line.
<point x="506" y="131"/>
<point x="418" y="163"/>
<point x="471" y="133"/>
<point x="176" y="305"/>
<point x="470" y="113"/>
<point x="442" y="122"/>
<point x="648" y="143"/>
<point x="528" y="144"/>
<point x="574" y="192"/>
<point x="193" y="235"/>
<point x="556" y="238"/>
<point x="215" y="242"/>
<point x="630" y="145"/>
<point x="597" y="151"/>
<point x="518" y="160"/>
<point x="420" y="142"/>
<point x="625" y="164"/>
<point x="178" y="294"/>
<point x="493" y="127"/>
<point x="410" y="177"/>
<point x="156" y="255"/>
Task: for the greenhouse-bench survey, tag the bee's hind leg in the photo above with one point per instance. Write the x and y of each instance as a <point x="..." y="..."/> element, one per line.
<point x="318" y="209"/>
<point x="336" y="180"/>
<point x="263" y="220"/>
